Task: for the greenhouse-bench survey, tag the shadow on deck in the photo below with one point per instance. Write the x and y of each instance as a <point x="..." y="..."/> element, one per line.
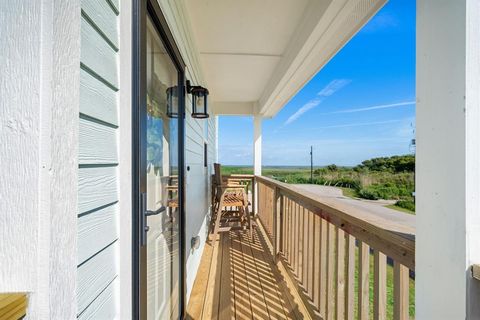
<point x="238" y="279"/>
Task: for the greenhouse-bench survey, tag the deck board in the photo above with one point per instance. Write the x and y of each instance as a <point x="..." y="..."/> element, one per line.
<point x="238" y="279"/>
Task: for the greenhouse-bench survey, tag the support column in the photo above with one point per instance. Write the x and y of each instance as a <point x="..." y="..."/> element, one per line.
<point x="257" y="156"/>
<point x="448" y="159"/>
<point x="216" y="139"/>
<point x="257" y="145"/>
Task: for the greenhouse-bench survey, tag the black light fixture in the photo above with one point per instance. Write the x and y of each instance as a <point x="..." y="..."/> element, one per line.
<point x="199" y="101"/>
<point x="172" y="102"/>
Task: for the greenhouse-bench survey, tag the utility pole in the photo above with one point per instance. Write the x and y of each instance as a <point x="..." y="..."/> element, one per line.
<point x="311" y="164"/>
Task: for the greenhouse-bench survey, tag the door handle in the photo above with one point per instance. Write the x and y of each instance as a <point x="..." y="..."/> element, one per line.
<point x="143" y="219"/>
<point x="153" y="213"/>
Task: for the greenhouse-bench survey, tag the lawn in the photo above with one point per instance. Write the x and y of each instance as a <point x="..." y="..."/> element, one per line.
<point x="395" y="207"/>
<point x="389" y="290"/>
<point x="349" y="192"/>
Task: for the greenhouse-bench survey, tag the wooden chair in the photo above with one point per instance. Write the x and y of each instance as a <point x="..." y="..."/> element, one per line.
<point x="230" y="205"/>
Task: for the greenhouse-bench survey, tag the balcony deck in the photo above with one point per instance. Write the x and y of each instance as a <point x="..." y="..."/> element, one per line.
<point x="328" y="261"/>
<point x="238" y="279"/>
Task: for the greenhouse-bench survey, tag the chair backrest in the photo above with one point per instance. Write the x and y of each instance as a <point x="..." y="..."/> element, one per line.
<point x="218" y="173"/>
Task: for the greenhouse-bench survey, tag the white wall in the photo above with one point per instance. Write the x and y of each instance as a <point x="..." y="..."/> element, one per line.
<point x="39" y="102"/>
<point x="448" y="159"/>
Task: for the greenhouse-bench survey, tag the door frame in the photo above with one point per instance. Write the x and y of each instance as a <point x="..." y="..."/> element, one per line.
<point x="140" y="10"/>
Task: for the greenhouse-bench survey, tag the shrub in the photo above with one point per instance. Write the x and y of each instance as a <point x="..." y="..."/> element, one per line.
<point x="406" y="204"/>
<point x="384" y="191"/>
<point x="367" y="194"/>
<point x="332" y="167"/>
<point x="405" y="163"/>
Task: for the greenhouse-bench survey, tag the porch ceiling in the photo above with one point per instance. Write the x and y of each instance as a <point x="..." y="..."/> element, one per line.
<point x="256" y="55"/>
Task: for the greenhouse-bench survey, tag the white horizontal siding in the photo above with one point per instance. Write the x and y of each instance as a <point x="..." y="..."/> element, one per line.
<point x="95" y="275"/>
<point x="98" y="143"/>
<point x="104" y="307"/>
<point x="98" y="196"/>
<point x="97" y="100"/>
<point x="96" y="187"/>
<point x="98" y="56"/>
<point x="115" y="4"/>
<point x="96" y="230"/>
<point x="103" y="17"/>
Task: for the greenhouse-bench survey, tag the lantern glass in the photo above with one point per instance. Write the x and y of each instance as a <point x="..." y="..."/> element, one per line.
<point x="172" y="102"/>
<point x="199" y="103"/>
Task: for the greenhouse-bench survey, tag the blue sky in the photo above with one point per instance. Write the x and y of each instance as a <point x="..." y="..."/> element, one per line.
<point x="360" y="105"/>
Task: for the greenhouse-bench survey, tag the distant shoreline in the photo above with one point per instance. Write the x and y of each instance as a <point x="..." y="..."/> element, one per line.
<point x="279" y="166"/>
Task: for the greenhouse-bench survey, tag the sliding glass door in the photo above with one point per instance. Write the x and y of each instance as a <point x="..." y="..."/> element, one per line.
<point x="162" y="181"/>
<point x="159" y="279"/>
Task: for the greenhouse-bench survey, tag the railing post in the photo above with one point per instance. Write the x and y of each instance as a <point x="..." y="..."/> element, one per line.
<point x="277" y="218"/>
<point x="254" y="196"/>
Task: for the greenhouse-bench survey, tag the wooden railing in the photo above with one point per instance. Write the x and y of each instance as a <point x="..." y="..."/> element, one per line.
<point x="329" y="255"/>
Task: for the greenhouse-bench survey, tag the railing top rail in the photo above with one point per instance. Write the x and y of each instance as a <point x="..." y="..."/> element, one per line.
<point x="239" y="176"/>
<point x="397" y="246"/>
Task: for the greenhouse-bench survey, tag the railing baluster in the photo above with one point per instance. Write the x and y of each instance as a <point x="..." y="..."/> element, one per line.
<point x="284" y="225"/>
<point x="295" y="239"/>
<point x="380" y="286"/>
<point x="340" y="274"/>
<point x="300" y="245"/>
<point x="323" y="267"/>
<point x="331" y="238"/>
<point x="363" y="281"/>
<point x="292" y="233"/>
<point x="311" y="253"/>
<point x="400" y="291"/>
<point x="316" y="260"/>
<point x="287" y="229"/>
<point x="276" y="223"/>
<point x="350" y="280"/>
<point x="279" y="219"/>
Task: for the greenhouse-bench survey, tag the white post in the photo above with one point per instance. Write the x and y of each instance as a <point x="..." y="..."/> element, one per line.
<point x="448" y="159"/>
<point x="216" y="139"/>
<point x="257" y="155"/>
<point x="257" y="145"/>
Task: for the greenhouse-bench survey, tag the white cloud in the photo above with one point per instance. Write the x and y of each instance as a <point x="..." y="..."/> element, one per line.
<point x="382" y="106"/>
<point x="333" y="87"/>
<point x="306" y="107"/>
<point x="358" y="124"/>
<point x="327" y="91"/>
<point x="381" y="21"/>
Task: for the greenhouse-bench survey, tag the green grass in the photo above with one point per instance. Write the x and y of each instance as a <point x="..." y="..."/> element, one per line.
<point x="389" y="290"/>
<point x="357" y="182"/>
<point x="349" y="192"/>
<point x="395" y="207"/>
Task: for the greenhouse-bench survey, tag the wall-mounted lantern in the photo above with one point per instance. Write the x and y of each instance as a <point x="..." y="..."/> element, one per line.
<point x="172" y="102"/>
<point x="199" y="101"/>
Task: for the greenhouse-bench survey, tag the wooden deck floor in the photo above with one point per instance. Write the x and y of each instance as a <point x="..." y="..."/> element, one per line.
<point x="238" y="279"/>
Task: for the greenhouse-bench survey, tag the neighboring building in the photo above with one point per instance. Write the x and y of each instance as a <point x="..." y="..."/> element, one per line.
<point x="98" y="141"/>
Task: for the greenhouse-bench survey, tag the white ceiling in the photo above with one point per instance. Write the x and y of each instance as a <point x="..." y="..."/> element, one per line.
<point x="241" y="42"/>
<point x="257" y="54"/>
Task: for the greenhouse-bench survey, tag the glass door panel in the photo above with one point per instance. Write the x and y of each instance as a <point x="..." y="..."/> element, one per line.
<point x="162" y="180"/>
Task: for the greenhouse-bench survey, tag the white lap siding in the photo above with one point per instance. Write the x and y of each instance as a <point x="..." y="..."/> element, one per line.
<point x="98" y="196"/>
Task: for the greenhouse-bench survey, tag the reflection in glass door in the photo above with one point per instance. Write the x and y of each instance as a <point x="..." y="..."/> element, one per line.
<point x="161" y="196"/>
